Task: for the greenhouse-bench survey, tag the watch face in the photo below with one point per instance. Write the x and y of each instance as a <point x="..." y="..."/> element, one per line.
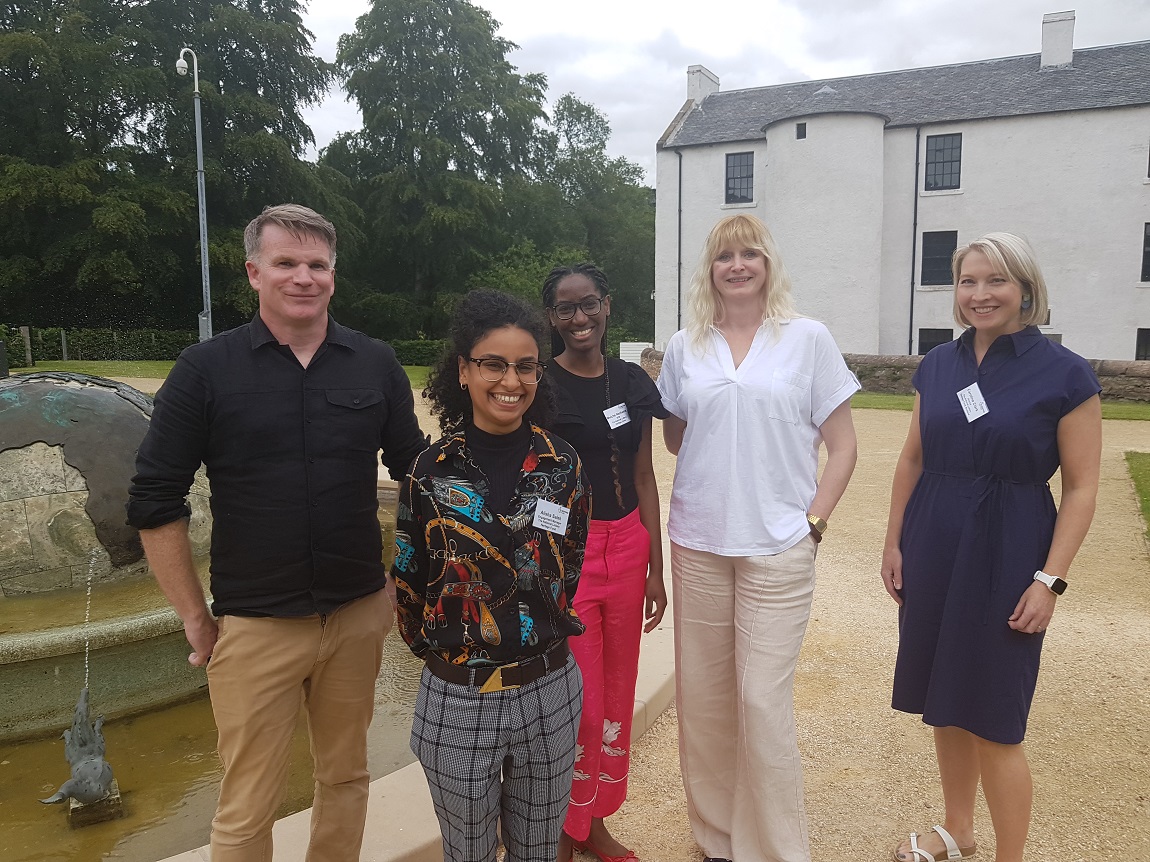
<point x="1058" y="586"/>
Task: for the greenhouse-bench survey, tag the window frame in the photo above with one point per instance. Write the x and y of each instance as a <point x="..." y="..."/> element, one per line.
<point x="943" y="161"/>
<point x="933" y="260"/>
<point x="1142" y="345"/>
<point x="936" y="330"/>
<point x="745" y="179"/>
<point x="1146" y="253"/>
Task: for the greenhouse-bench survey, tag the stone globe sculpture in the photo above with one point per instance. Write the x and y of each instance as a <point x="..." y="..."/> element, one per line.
<point x="67" y="454"/>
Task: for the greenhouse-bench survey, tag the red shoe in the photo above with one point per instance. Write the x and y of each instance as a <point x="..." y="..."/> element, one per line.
<point x="587" y="846"/>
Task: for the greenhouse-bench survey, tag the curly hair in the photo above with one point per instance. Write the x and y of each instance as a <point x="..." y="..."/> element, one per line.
<point x="476" y="314"/>
<point x="551" y="284"/>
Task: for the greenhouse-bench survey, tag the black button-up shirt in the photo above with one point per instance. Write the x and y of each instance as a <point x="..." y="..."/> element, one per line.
<point x="291" y="458"/>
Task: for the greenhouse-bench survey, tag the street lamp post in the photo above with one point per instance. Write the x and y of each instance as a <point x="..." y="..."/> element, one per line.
<point x="206" y="314"/>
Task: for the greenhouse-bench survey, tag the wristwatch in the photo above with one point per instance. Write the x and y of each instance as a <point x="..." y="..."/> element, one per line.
<point x="818" y="526"/>
<point x="1056" y="585"/>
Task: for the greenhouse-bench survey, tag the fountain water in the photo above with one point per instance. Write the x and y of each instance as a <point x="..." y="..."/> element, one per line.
<point x="67" y="447"/>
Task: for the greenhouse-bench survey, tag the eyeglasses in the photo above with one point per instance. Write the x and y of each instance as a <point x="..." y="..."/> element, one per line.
<point x="493" y="370"/>
<point x="590" y="306"/>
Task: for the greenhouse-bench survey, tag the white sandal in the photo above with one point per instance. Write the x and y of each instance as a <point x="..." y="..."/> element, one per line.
<point x="953" y="851"/>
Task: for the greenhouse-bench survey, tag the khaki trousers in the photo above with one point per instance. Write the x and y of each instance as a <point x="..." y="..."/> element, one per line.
<point x="260" y="670"/>
<point x="739" y="624"/>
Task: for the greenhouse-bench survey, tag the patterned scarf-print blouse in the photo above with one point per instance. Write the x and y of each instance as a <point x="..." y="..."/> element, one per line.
<point x="481" y="588"/>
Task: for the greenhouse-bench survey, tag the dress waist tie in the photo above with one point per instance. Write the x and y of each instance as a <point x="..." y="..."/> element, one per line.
<point x="990" y="492"/>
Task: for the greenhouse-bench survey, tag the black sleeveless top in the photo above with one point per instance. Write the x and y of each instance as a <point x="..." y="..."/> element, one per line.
<point x="581" y="422"/>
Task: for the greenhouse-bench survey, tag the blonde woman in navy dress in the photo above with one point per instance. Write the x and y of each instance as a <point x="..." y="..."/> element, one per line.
<point x="976" y="554"/>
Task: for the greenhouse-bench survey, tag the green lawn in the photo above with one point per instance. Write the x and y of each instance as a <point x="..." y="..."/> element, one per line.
<point x="154" y="370"/>
<point x="417" y="374"/>
<point x="1139" y="464"/>
<point x="879" y="401"/>
<point x="1110" y="409"/>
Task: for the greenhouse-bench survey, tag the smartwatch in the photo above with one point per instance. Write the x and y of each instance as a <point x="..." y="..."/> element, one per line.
<point x="1056" y="585"/>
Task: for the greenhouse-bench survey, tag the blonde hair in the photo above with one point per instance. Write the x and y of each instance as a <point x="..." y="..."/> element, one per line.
<point x="737" y="231"/>
<point x="1012" y="257"/>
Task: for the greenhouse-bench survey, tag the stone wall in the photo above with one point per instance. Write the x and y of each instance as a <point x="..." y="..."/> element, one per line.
<point x="1121" y="379"/>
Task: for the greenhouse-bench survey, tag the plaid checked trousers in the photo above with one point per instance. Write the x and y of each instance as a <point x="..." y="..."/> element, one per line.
<point x="499" y="757"/>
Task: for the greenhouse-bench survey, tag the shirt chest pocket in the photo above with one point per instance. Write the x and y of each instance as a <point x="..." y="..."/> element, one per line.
<point x="790" y="397"/>
<point x="353" y="418"/>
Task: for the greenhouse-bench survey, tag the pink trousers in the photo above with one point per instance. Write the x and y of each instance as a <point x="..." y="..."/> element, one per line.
<point x="609" y="601"/>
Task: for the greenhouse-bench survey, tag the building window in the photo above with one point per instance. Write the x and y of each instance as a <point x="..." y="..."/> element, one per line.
<point x="1146" y="253"/>
<point x="943" y="162"/>
<point x="800" y="131"/>
<point x="740" y="178"/>
<point x="928" y="339"/>
<point x="937" y="249"/>
<point x="1142" y="350"/>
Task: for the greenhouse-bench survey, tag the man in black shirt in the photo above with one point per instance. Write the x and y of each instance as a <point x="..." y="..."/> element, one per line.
<point x="288" y="413"/>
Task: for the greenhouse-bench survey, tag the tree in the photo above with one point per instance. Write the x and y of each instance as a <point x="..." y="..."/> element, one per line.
<point x="98" y="221"/>
<point x="447" y="120"/>
<point x="592" y="201"/>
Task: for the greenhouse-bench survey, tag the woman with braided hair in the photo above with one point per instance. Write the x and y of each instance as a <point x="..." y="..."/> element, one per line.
<point x="605" y="407"/>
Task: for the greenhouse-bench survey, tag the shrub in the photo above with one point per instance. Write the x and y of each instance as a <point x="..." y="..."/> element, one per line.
<point x="420" y="351"/>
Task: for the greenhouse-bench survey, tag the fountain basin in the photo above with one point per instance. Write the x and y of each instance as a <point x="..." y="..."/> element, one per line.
<point x="136" y="662"/>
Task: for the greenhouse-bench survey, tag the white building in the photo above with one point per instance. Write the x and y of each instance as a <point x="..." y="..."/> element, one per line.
<point x="870" y="182"/>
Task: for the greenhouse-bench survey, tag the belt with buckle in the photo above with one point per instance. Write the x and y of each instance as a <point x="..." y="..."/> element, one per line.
<point x="501" y="677"/>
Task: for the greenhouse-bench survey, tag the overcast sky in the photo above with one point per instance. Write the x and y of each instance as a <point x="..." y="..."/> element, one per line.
<point x="629" y="57"/>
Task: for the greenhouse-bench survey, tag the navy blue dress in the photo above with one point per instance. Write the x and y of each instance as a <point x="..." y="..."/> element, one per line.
<point x="977" y="526"/>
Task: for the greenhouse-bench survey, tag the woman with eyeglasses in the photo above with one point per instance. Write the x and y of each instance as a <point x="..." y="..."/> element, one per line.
<point x="490" y="533"/>
<point x="755" y="391"/>
<point x="605" y="407"/>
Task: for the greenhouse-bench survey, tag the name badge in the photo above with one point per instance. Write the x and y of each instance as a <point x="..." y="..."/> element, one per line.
<point x="973" y="404"/>
<point x="617" y="416"/>
<point x="551" y="516"/>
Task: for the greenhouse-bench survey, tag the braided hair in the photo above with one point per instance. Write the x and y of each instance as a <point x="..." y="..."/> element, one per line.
<point x="599" y="279"/>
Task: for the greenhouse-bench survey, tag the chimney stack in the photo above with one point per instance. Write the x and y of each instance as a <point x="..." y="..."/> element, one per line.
<point x="701" y="82"/>
<point x="1058" y="40"/>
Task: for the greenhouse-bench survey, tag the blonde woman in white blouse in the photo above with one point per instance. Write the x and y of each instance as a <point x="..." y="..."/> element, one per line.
<point x="754" y="390"/>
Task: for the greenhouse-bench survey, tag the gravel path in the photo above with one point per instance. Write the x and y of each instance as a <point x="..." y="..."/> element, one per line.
<point x="870" y="776"/>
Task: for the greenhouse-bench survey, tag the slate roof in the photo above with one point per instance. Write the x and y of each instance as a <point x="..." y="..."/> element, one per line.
<point x="1113" y="76"/>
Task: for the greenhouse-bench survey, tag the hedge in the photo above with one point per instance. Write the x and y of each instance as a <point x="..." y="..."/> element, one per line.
<point x="419" y="352"/>
<point x="95" y="345"/>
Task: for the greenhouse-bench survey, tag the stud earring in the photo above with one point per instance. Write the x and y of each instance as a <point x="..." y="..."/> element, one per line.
<point x="1026" y="302"/>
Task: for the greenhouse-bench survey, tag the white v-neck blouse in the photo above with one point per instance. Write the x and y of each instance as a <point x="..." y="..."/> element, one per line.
<point x="747" y="468"/>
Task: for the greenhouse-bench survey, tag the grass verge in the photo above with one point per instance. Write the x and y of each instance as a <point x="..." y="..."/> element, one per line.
<point x="1134" y="410"/>
<point x="1139" y="466"/>
<point x="153" y="370"/>
<point x="417" y="374"/>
